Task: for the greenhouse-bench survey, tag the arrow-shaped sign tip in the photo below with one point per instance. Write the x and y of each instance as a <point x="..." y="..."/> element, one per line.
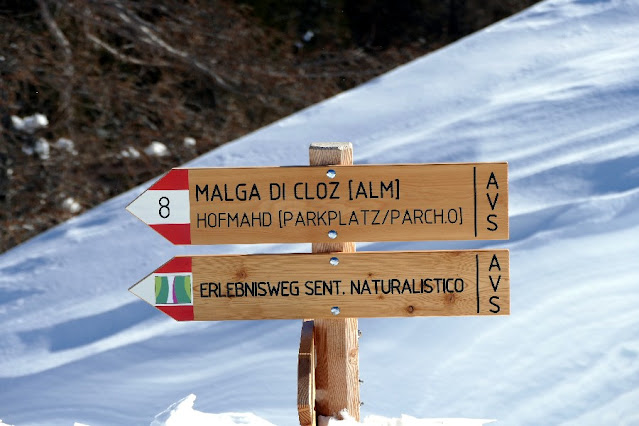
<point x="145" y="289"/>
<point x="169" y="289"/>
<point x="165" y="207"/>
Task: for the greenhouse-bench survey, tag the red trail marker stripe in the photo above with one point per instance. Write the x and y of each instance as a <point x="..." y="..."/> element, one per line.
<point x="177" y="233"/>
<point x="180" y="313"/>
<point x="174" y="180"/>
<point x="177" y="264"/>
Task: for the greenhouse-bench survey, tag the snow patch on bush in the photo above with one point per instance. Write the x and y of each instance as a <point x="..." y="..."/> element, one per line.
<point x="29" y="124"/>
<point x="70" y="205"/>
<point x="156" y="149"/>
<point x="67" y="145"/>
<point x="308" y="36"/>
<point x="42" y="148"/>
<point x="130" y="152"/>
<point x="189" y="142"/>
<point x="27" y="149"/>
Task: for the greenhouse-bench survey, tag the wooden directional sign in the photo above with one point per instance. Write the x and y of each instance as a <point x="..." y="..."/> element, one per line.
<point x="411" y="202"/>
<point x="363" y="284"/>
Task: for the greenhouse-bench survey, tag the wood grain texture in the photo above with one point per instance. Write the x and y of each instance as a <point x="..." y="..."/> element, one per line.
<point x="337" y="371"/>
<point x="337" y="346"/>
<point x="330" y="153"/>
<point x="385" y="284"/>
<point x="306" y="376"/>
<point x="400" y="202"/>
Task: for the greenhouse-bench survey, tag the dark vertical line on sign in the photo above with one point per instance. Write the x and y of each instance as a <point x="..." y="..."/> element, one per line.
<point x="477" y="279"/>
<point x="475" y="196"/>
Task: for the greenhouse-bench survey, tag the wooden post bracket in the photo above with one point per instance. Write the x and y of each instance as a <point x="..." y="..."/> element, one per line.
<point x="306" y="376"/>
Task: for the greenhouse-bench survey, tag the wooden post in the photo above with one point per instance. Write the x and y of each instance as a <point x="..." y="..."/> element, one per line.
<point x="336" y="346"/>
<point x="306" y="376"/>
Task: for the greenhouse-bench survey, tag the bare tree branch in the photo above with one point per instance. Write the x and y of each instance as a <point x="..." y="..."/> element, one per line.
<point x="149" y="35"/>
<point x="118" y="18"/>
<point x="121" y="56"/>
<point x="67" y="54"/>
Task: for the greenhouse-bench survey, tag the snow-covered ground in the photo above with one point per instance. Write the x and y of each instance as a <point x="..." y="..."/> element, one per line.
<point x="554" y="91"/>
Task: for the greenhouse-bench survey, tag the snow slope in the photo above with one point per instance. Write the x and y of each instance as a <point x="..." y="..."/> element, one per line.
<point x="182" y="413"/>
<point x="554" y="91"/>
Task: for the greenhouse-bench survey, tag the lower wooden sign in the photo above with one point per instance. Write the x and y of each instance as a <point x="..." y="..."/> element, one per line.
<point x="326" y="285"/>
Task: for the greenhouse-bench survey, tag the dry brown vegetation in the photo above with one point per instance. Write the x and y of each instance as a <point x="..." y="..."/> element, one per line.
<point x="114" y="74"/>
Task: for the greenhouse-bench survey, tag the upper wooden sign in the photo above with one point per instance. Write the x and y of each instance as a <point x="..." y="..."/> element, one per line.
<point x="408" y="202"/>
<point x="328" y="285"/>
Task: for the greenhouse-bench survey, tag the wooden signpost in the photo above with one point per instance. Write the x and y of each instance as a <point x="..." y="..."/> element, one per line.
<point x="351" y="285"/>
<point x="409" y="202"/>
<point x="332" y="204"/>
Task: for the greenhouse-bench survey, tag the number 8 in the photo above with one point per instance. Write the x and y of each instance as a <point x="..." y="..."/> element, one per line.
<point x="164" y="206"/>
